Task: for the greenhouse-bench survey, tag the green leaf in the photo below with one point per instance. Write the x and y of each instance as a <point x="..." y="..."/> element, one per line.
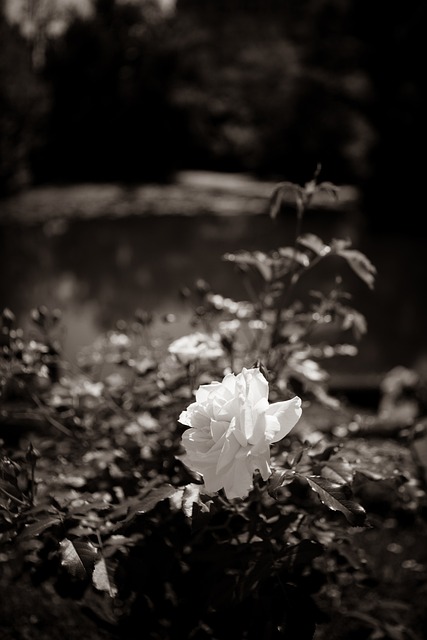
<point x="101" y="578"/>
<point x="337" y="497"/>
<point x="77" y="557"/>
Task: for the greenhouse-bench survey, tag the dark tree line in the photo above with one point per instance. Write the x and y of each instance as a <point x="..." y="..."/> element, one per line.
<point x="268" y="87"/>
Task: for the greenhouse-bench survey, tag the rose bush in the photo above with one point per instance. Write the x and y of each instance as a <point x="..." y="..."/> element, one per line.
<point x="231" y="427"/>
<point x="98" y="504"/>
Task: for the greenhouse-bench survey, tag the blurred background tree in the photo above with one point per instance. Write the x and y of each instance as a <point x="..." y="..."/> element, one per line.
<point x="108" y="90"/>
<point x="24" y="108"/>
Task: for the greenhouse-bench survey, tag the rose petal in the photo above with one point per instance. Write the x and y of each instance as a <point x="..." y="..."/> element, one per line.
<point x="184" y="418"/>
<point x="239" y="479"/>
<point x="262" y="463"/>
<point x="287" y="414"/>
<point x="228" y="453"/>
<point x="257" y="386"/>
<point x="218" y="428"/>
<point x="204" y="391"/>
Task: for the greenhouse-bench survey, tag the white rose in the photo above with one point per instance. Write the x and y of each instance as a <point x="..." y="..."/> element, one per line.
<point x="232" y="426"/>
<point x="196" y="346"/>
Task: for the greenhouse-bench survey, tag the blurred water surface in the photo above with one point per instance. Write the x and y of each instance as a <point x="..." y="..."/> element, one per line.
<point x="100" y="270"/>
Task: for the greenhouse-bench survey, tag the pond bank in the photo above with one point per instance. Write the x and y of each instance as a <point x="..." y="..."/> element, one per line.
<point x="191" y="193"/>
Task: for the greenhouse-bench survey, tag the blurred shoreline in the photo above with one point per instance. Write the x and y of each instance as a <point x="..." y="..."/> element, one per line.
<point x="190" y="193"/>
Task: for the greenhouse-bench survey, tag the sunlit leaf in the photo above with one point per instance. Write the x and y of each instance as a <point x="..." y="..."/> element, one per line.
<point x="256" y="259"/>
<point x="325" y="398"/>
<point x="143" y="366"/>
<point x="337" y="497"/>
<point x="278" y="479"/>
<point x="85" y="504"/>
<point x="357" y="260"/>
<point x="330" y="188"/>
<point x="187" y="497"/>
<point x="101" y="578"/>
<point x="82" y="531"/>
<point x="313" y="242"/>
<point x="355" y="321"/>
<point x="294" y="256"/>
<point x="372" y="474"/>
<point x="278" y="196"/>
<point x="36" y="528"/>
<point x="116" y="543"/>
<point x="138" y="505"/>
<point x="77" y="557"/>
<point x="338" y="470"/>
<point x="154" y="497"/>
<point x="293" y="458"/>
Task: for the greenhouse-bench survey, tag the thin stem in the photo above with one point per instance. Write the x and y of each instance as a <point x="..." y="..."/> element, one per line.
<point x="11" y="497"/>
<point x="419" y="465"/>
<point x="32" y="484"/>
<point x="291" y="280"/>
<point x="250" y="290"/>
<point x="304" y="196"/>
<point x="49" y="418"/>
